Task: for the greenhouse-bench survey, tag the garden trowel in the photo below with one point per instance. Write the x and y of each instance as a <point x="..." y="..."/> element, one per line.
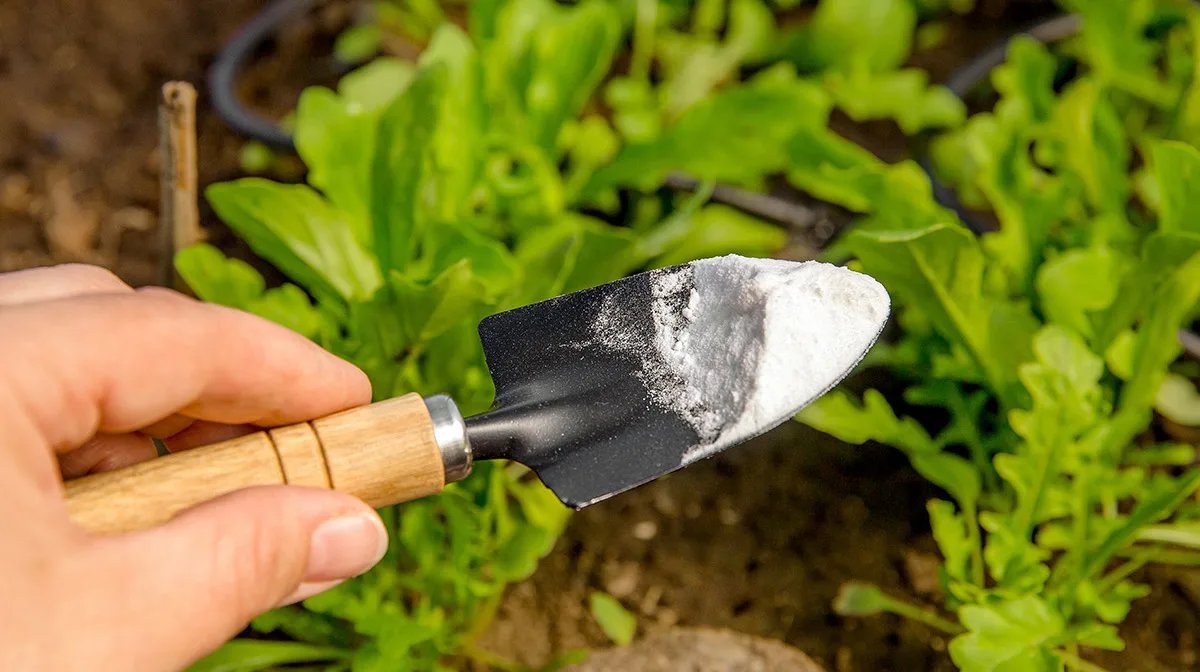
<point x="597" y="392"/>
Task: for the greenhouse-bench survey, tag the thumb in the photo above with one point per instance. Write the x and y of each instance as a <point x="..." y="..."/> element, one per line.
<point x="189" y="585"/>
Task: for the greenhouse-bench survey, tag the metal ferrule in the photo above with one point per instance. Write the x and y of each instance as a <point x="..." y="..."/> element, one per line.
<point x="450" y="433"/>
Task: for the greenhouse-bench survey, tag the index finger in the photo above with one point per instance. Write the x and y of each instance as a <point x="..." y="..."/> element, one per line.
<point x="118" y="362"/>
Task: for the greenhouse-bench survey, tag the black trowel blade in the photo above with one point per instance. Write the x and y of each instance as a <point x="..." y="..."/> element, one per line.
<point x="571" y="409"/>
<point x="581" y="398"/>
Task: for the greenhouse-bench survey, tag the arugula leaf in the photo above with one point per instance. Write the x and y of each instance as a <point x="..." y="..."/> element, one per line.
<point x="940" y="270"/>
<point x="1009" y="636"/>
<point x="1166" y="496"/>
<point x="616" y="622"/>
<point x="1079" y="283"/>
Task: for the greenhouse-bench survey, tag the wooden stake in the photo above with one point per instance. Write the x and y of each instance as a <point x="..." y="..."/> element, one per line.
<point x="179" y="216"/>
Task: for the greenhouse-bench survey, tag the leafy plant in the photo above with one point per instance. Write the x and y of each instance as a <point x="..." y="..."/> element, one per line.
<point x="1036" y="353"/>
<point x="516" y="160"/>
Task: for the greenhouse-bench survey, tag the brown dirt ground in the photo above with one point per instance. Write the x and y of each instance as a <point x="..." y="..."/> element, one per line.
<point x="757" y="540"/>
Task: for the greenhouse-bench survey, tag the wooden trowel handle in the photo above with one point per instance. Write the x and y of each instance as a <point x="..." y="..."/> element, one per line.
<point x="384" y="454"/>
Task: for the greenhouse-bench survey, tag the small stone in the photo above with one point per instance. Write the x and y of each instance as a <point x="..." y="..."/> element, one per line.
<point x="921" y="570"/>
<point x="667" y="617"/>
<point x="728" y="516"/>
<point x="664" y="503"/>
<point x="14" y="193"/>
<point x="645" y="530"/>
<point x="699" y="650"/>
<point x="623" y="581"/>
<point x="649" y="603"/>
<point x="132" y="219"/>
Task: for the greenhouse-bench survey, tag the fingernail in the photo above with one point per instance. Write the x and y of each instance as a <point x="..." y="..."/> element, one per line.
<point x="344" y="547"/>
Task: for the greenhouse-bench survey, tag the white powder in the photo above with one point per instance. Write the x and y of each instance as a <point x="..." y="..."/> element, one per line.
<point x="741" y="345"/>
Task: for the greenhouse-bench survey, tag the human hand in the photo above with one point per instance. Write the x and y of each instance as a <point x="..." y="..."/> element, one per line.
<point x="90" y="370"/>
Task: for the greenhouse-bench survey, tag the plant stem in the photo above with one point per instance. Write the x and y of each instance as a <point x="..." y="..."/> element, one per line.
<point x="973" y="537"/>
<point x="1074" y="662"/>
<point x="1139" y="560"/>
<point x="179" y="214"/>
<point x="643" y="39"/>
<point x="911" y="611"/>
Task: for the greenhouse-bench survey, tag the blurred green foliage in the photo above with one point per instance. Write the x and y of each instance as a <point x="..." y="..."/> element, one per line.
<point x="1045" y="345"/>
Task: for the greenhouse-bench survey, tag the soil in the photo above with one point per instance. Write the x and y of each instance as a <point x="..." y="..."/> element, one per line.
<point x="757" y="540"/>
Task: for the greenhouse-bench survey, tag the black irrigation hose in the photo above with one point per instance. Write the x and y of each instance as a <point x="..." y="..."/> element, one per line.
<point x="222" y="76"/>
<point x="976" y="70"/>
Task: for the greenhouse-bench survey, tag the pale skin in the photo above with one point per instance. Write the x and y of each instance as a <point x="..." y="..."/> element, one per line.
<point x="90" y="369"/>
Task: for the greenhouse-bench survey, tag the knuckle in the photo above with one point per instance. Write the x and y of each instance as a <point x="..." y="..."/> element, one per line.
<point x="87" y="276"/>
<point x="164" y="294"/>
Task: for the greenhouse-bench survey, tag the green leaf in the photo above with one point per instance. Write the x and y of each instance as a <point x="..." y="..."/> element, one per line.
<point x="457" y="294"/>
<point x="303" y="235"/>
<point x="1170" y="301"/>
<point x="399" y="173"/>
<point x="1095" y="148"/>
<point x="1064" y="384"/>
<point x="903" y="95"/>
<point x="375" y="84"/>
<point x="953" y="539"/>
<point x="717" y="230"/>
<point x="1178" y="400"/>
<point x="1155" y="506"/>
<point x="357" y="43"/>
<point x="1177" y="170"/>
<point x="457" y="152"/>
<point x="570" y="55"/>
<point x="750" y="123"/>
<point x="247" y="655"/>
<point x="574" y="252"/>
<point x="1115" y="43"/>
<point x="876" y="34"/>
<point x="616" y="622"/>
<point x="1008" y="636"/>
<point x="256" y="158"/>
<point x="836" y="413"/>
<point x="1077" y="283"/>
<point x="336" y="140"/>
<point x="939" y="270"/>
<point x="605" y="253"/>
<point x="216" y="278"/>
<point x="860" y="599"/>
<point x="694" y="65"/>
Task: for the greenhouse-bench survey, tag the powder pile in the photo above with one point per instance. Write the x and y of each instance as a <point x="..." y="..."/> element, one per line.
<point x="740" y="345"/>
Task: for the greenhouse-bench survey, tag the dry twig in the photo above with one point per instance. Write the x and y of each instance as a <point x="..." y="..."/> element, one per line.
<point x="179" y="217"/>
